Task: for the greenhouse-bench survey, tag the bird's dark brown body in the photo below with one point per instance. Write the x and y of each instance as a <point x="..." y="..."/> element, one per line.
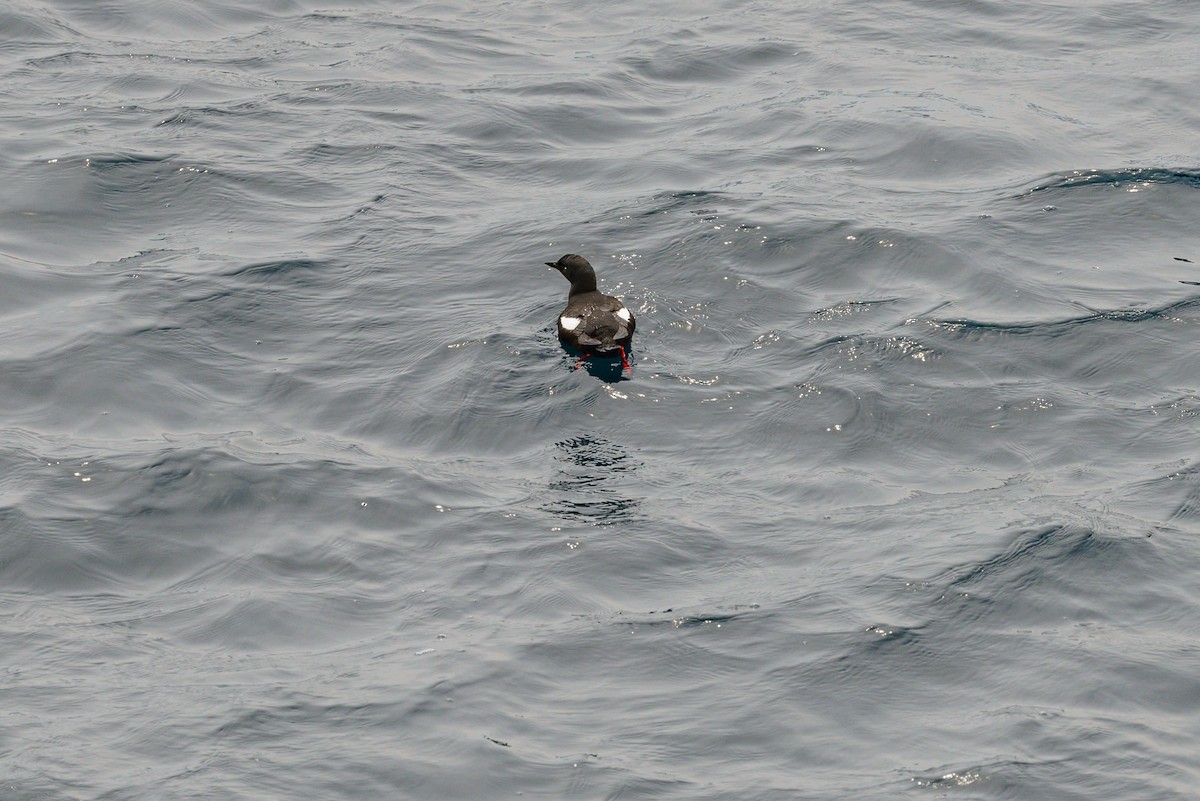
<point x="592" y="322"/>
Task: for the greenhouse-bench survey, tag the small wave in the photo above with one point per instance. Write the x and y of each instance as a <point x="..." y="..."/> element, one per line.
<point x="1189" y="177"/>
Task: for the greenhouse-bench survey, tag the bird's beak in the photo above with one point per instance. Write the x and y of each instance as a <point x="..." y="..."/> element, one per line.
<point x="552" y="264"/>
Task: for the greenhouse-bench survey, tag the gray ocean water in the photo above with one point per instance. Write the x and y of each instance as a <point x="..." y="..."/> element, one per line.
<point x="300" y="498"/>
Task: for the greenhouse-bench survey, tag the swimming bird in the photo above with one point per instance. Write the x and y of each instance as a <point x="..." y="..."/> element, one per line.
<point x="594" y="323"/>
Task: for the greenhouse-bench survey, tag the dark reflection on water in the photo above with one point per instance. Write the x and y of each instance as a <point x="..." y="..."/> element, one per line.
<point x="594" y="475"/>
<point x="606" y="369"/>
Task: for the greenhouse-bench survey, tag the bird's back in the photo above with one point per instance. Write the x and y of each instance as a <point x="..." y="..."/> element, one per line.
<point x="594" y="321"/>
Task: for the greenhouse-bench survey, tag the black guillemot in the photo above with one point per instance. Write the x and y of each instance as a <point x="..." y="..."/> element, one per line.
<point x="593" y="323"/>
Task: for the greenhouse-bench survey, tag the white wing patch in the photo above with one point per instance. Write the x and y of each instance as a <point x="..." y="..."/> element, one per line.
<point x="569" y="323"/>
<point x="623" y="313"/>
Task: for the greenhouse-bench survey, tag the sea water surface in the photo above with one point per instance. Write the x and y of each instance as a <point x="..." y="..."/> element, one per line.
<point x="300" y="498"/>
